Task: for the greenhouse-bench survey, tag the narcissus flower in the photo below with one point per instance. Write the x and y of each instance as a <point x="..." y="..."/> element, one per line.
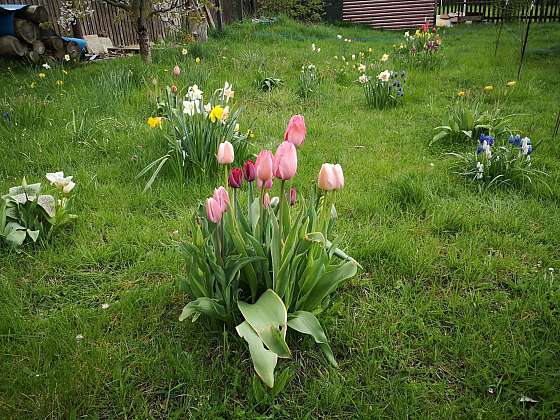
<point x="154" y="122"/>
<point x="197" y="61"/>
<point x="363" y="79"/>
<point x="384" y="57"/>
<point x="461" y="93"/>
<point x="488" y="88"/>
<point x="60" y="181"/>
<point x="184" y="51"/>
<point x="511" y="83"/>
<point x="66" y="57"/>
<point x="384" y="75"/>
<point x="225" y="153"/>
<point x="42" y="75"/>
<point x="59" y="82"/>
<point x="216" y="114"/>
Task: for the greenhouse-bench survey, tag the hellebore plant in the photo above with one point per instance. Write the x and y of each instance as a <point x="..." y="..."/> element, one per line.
<point x="267" y="265"/>
<point x="195" y="129"/>
<point x="507" y="164"/>
<point x="26" y="214"/>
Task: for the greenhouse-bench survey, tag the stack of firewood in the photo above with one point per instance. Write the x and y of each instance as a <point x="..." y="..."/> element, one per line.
<point x="32" y="39"/>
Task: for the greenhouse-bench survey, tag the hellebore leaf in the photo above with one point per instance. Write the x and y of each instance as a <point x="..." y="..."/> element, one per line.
<point x="269" y="318"/>
<point x="264" y="361"/>
<point x="204" y="306"/>
<point x="306" y="323"/>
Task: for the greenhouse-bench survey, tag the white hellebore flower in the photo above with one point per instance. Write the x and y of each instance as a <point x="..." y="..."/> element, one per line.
<point x="60" y="181"/>
<point x="384" y="57"/>
<point x="194" y="93"/>
<point x="362" y="68"/>
<point x="228" y="91"/>
<point x="363" y="79"/>
<point x="384" y="76"/>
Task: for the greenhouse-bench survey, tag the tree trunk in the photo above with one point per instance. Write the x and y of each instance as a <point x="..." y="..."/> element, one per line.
<point x="143" y="10"/>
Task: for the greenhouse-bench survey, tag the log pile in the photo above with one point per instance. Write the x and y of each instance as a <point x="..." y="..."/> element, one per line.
<point x="30" y="39"/>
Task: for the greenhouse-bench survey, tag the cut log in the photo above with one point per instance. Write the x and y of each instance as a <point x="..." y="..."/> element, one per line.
<point x="11" y="46"/>
<point x="38" y="47"/>
<point x="34" y="13"/>
<point x="26" y="30"/>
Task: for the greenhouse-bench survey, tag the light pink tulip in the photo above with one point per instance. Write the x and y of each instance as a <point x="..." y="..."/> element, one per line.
<point x="264" y="166"/>
<point x="285" y="161"/>
<point x="267" y="184"/>
<point x="266" y="201"/>
<point x="225" y="153"/>
<point x="176" y="71"/>
<point x="222" y="197"/>
<point x="296" y="130"/>
<point x="330" y="177"/>
<point x="213" y="210"/>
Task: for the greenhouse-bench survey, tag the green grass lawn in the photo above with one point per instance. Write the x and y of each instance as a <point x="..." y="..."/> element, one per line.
<point x="456" y="313"/>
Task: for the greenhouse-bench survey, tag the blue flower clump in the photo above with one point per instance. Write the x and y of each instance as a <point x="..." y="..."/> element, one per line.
<point x="486" y="141"/>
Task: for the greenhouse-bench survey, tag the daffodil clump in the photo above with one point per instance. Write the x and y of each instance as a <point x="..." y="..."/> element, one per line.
<point x="384" y="90"/>
<point x="421" y="49"/>
<point x="194" y="124"/>
<point x="31" y="213"/>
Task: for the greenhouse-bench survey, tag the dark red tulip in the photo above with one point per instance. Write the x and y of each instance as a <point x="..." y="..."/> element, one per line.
<point x="249" y="171"/>
<point x="235" y="178"/>
<point x="293" y="196"/>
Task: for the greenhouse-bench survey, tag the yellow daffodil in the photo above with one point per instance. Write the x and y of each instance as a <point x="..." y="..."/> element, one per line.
<point x="488" y="88"/>
<point x="417" y="34"/>
<point x="64" y="71"/>
<point x="197" y="61"/>
<point x="42" y="75"/>
<point x="59" y="82"/>
<point x="32" y="85"/>
<point x="511" y="83"/>
<point x="370" y="50"/>
<point x="154" y="122"/>
<point x="461" y="93"/>
<point x="216" y="114"/>
<point x="384" y="57"/>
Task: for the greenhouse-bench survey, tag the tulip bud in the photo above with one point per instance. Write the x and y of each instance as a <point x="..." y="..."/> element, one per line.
<point x="221" y="196"/>
<point x="173" y="89"/>
<point x="225" y="153"/>
<point x="264" y="166"/>
<point x="235" y="178"/>
<point x="213" y="210"/>
<point x="266" y="201"/>
<point x="249" y="171"/>
<point x="266" y="184"/>
<point x="285" y="161"/>
<point x="293" y="196"/>
<point x="330" y="177"/>
<point x="176" y="71"/>
<point x="296" y="130"/>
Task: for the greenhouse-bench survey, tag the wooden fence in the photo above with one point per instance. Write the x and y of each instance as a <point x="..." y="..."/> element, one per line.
<point x="105" y="21"/>
<point x="498" y="10"/>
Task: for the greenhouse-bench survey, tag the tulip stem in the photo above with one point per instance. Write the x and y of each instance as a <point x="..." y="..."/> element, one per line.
<point x="226" y="172"/>
<point x="281" y="204"/>
<point x="249" y="204"/>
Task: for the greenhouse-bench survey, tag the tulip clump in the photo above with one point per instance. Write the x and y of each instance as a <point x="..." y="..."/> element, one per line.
<point x="267" y="263"/>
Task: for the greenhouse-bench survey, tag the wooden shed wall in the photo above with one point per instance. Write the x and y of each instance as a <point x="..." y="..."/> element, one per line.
<point x="389" y="14"/>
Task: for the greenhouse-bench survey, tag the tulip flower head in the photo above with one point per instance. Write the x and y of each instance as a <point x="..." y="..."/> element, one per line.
<point x="235" y="179"/>
<point x="176" y="71"/>
<point x="296" y="130"/>
<point x="267" y="185"/>
<point x="249" y="171"/>
<point x="293" y="196"/>
<point x="173" y="89"/>
<point x="213" y="210"/>
<point x="266" y="201"/>
<point x="222" y="197"/>
<point x="285" y="161"/>
<point x="225" y="153"/>
<point x="330" y="177"/>
<point x="264" y="166"/>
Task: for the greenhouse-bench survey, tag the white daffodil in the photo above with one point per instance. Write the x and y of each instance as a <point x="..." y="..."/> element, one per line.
<point x="363" y="79"/>
<point x="353" y="57"/>
<point x="184" y="51"/>
<point x="60" y="181"/>
<point x="384" y="57"/>
<point x="225" y="114"/>
<point x="46" y="66"/>
<point x="194" y="93"/>
<point x="228" y="92"/>
<point x="191" y="107"/>
<point x="318" y="50"/>
<point x="313" y="48"/>
<point x="207" y="108"/>
<point x="362" y="68"/>
<point x="384" y="76"/>
<point x="339" y="36"/>
<point x="66" y="57"/>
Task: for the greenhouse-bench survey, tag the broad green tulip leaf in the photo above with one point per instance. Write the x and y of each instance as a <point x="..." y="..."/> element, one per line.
<point x="264" y="361"/>
<point x="255" y="214"/>
<point x="316" y="237"/>
<point x="236" y="263"/>
<point x="438" y="136"/>
<point x="33" y="234"/>
<point x="269" y="318"/>
<point x="306" y="323"/>
<point x="204" y="306"/>
<point x="325" y="285"/>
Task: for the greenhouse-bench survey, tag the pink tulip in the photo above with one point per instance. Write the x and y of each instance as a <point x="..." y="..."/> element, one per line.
<point x="293" y="196"/>
<point x="213" y="210"/>
<point x="285" y="161"/>
<point x="330" y="177"/>
<point x="266" y="201"/>
<point x="267" y="184"/>
<point x="296" y="130"/>
<point x="176" y="71"/>
<point x="264" y="166"/>
<point x="222" y="197"/>
<point x="225" y="153"/>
